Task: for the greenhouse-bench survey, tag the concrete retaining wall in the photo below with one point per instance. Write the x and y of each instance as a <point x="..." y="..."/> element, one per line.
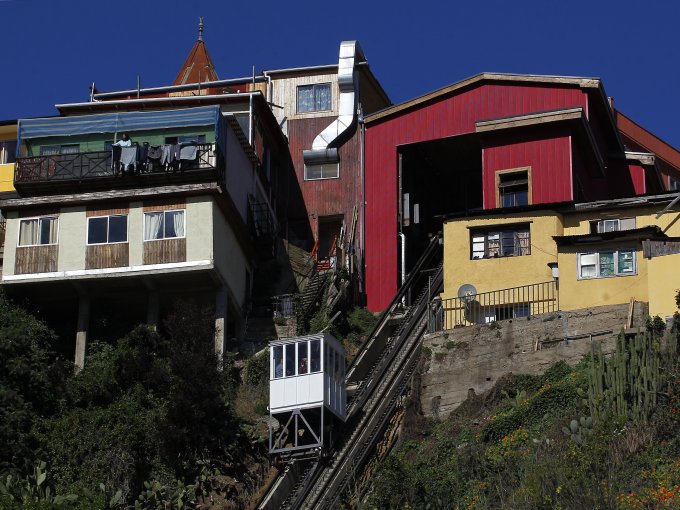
<point x="476" y="357"/>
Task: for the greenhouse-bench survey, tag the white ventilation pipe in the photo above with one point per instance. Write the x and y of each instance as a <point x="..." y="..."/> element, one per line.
<point x="325" y="145"/>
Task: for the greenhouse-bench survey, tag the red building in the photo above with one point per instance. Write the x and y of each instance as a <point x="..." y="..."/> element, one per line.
<point x="494" y="141"/>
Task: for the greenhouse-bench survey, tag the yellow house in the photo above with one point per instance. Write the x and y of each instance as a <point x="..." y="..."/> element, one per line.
<point x="501" y="264"/>
<point x="8" y="145"/>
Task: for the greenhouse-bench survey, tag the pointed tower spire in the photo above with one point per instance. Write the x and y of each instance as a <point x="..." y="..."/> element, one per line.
<point x="198" y="67"/>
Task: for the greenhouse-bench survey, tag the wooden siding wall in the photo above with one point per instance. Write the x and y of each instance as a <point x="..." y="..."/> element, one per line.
<point x="169" y="204"/>
<point x="165" y="251"/>
<point x="326" y="197"/>
<point x="99" y="256"/>
<point x="548" y="157"/>
<point x="284" y="93"/>
<point x="443" y="117"/>
<point x="36" y="259"/>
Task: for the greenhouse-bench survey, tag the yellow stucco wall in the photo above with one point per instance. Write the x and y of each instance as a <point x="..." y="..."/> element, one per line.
<point x="611" y="290"/>
<point x="655" y="281"/>
<point x="664" y="283"/>
<point x="7" y="177"/>
<point x="503" y="272"/>
<point x="7" y="171"/>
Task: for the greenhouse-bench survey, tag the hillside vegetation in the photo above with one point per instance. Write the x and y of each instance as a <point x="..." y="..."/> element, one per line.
<point x="604" y="434"/>
<point x="150" y="422"/>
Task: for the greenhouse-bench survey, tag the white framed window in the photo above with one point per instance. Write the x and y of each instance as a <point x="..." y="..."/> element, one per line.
<point x="314" y="98"/>
<point x="164" y="225"/>
<point x="8" y="150"/>
<point x="107" y="229"/>
<point x="511" y="241"/>
<point x="606" y="263"/>
<point x="51" y="150"/>
<point x="613" y="225"/>
<point x="38" y="231"/>
<point x="326" y="171"/>
<point x="673" y="184"/>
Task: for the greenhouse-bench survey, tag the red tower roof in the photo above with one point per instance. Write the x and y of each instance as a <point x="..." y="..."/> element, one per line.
<point x="198" y="67"/>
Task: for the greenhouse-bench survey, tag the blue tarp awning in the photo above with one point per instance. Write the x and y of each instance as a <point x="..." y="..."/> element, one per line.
<point x="117" y="122"/>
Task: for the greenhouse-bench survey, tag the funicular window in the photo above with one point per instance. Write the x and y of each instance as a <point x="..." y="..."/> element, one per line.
<point x="315" y="356"/>
<point x="337" y="366"/>
<point x="278" y="361"/>
<point x="303" y="363"/>
<point x="290" y="360"/>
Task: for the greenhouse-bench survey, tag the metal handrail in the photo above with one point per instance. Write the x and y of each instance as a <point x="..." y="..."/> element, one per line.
<point x="93" y="165"/>
<point x="486" y="307"/>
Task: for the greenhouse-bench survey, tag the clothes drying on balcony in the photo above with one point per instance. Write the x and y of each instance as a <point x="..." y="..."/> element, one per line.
<point x="128" y="156"/>
<point x="187" y="151"/>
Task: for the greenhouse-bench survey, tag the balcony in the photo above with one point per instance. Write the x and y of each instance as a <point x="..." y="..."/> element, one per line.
<point x="90" y="171"/>
<point x="487" y="307"/>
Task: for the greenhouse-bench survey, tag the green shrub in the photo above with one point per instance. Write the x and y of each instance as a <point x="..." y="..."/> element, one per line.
<point x="257" y="369"/>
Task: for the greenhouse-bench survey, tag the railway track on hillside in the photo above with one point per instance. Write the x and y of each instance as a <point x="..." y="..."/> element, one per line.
<point x="381" y="374"/>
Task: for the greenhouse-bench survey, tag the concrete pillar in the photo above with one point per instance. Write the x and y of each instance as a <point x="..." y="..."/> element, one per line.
<point x="221" y="301"/>
<point x="152" y="310"/>
<point x="81" y="333"/>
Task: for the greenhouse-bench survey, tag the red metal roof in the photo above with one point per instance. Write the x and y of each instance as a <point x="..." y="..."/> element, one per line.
<point x="198" y="67"/>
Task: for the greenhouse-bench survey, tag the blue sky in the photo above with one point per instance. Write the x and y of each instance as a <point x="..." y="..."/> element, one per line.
<point x="53" y="49"/>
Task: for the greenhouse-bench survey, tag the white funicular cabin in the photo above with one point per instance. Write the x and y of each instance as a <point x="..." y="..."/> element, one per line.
<point x="307" y="394"/>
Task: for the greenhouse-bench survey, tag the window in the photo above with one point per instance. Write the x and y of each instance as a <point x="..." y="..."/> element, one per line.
<point x="8" y="150"/>
<point x="163" y="225"/>
<point x="606" y="263"/>
<point x="509" y="242"/>
<point x="51" y="150"/>
<point x="107" y="229"/>
<point x="303" y="359"/>
<point x="38" y="231"/>
<point x="513" y="189"/>
<point x="673" y="184"/>
<point x="327" y="171"/>
<point x="278" y="361"/>
<point x="316" y="356"/>
<point x="601" y="226"/>
<point x="185" y="139"/>
<point x="290" y="360"/>
<point x="314" y="98"/>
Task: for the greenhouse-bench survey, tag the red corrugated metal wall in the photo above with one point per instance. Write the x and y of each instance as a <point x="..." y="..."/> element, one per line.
<point x="548" y="157"/>
<point x="443" y="117"/>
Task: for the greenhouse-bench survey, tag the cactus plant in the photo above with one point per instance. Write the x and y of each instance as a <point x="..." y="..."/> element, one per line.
<point x="580" y="429"/>
<point x="627" y="383"/>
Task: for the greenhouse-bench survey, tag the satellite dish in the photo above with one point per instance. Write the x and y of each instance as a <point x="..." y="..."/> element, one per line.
<point x="467" y="292"/>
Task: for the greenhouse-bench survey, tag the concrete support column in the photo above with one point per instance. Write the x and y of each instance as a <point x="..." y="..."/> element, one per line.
<point x="221" y="301"/>
<point x="152" y="310"/>
<point x="81" y="333"/>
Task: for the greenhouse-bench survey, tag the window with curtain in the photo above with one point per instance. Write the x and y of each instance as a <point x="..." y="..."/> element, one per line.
<point x="511" y="241"/>
<point x="163" y="225"/>
<point x="606" y="263"/>
<point x="314" y="98"/>
<point x="38" y="231"/>
<point x="107" y="229"/>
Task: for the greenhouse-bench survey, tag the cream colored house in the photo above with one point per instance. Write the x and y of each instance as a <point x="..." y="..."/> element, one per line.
<point x="100" y="243"/>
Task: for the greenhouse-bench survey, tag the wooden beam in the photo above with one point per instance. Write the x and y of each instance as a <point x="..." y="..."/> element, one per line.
<point x="533" y="119"/>
<point x="133" y="194"/>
